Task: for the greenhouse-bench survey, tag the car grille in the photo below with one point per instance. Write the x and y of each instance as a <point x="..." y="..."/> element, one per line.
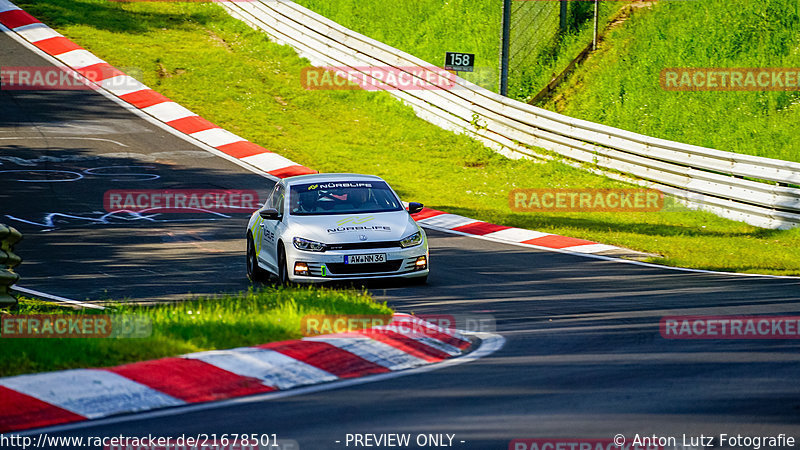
<point x="362" y="245"/>
<point x="343" y="269"/>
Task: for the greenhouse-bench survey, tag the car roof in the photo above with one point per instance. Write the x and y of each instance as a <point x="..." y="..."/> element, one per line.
<point x="329" y="177"/>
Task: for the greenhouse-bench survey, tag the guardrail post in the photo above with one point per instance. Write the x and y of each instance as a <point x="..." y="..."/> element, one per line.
<point x="8" y="260"/>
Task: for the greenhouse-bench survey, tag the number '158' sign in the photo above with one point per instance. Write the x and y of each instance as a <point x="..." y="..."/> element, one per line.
<point x="462" y="62"/>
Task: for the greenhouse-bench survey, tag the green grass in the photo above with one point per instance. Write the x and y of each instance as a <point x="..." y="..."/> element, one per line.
<point x="531" y="70"/>
<point x="249" y="318"/>
<point x="233" y="76"/>
<point x="429" y="28"/>
<point x="620" y="86"/>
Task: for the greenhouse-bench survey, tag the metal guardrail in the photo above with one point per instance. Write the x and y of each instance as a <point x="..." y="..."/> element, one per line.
<point x="8" y="260"/>
<point x="752" y="189"/>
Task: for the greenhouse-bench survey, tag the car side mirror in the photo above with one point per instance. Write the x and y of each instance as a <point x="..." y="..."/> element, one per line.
<point x="415" y="207"/>
<point x="269" y="214"/>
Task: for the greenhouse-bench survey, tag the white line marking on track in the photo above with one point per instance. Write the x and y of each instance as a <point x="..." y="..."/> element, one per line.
<point x="63" y="137"/>
<point x="55" y="298"/>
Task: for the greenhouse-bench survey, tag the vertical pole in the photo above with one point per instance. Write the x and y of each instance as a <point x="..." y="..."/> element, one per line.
<point x="594" y="39"/>
<point x="563" y="16"/>
<point x="504" y="45"/>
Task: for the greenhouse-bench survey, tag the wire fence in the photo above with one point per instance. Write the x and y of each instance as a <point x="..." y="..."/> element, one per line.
<point x="534" y="26"/>
<point x="545" y="37"/>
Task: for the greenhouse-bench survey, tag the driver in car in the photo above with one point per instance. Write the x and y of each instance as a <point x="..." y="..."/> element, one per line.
<point x="307" y="202"/>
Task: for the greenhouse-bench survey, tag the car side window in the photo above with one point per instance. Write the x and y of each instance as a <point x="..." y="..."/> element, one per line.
<point x="270" y="197"/>
<point x="278" y="199"/>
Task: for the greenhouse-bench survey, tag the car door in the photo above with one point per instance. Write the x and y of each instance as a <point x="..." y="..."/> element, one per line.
<point x="270" y="230"/>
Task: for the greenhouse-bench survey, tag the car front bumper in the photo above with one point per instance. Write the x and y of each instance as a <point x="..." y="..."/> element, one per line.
<point x="329" y="266"/>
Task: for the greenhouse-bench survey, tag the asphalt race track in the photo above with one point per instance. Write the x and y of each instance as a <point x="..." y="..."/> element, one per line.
<point x="583" y="357"/>
<point x="72" y="248"/>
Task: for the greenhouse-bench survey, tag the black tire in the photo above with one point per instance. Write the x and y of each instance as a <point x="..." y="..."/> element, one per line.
<point x="283" y="271"/>
<point x="255" y="273"/>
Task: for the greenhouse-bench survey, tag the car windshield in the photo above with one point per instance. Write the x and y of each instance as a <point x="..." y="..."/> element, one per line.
<point x="342" y="197"/>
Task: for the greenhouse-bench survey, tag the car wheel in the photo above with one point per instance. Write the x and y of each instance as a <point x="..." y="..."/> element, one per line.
<point x="283" y="270"/>
<point x="254" y="272"/>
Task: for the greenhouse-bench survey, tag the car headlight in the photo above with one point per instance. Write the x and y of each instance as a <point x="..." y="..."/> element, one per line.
<point x="307" y="245"/>
<point x="411" y="241"/>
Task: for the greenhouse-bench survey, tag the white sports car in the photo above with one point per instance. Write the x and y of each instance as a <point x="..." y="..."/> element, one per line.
<point x="326" y="227"/>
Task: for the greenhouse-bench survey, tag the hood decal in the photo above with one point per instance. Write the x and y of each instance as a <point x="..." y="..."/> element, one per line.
<point x="354" y="220"/>
<point x="346" y="228"/>
<point x="350" y="229"/>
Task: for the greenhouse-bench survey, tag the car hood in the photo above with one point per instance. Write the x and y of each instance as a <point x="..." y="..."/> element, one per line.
<point x="348" y="228"/>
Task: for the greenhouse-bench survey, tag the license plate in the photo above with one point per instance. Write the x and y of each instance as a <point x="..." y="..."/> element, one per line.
<point x="365" y="259"/>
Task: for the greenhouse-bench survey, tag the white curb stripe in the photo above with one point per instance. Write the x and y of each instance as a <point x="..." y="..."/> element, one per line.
<point x="403" y="321"/>
<point x="129" y="87"/>
<point x="489" y="344"/>
<point x="120" y="82"/>
<point x="427" y="340"/>
<point x="590" y="248"/>
<point x="400" y="319"/>
<point x="7" y="6"/>
<point x="36" y="32"/>
<point x="437" y="344"/>
<point x="516" y="234"/>
<point x="273" y="368"/>
<point x="269" y="161"/>
<point x="447" y="221"/>
<point x="90" y="393"/>
<point x="373" y="351"/>
<point x="168" y="111"/>
<point x="216" y="137"/>
<point x="78" y="59"/>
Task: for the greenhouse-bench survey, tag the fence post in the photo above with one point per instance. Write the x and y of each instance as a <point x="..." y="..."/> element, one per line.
<point x="8" y="260"/>
<point x="504" y="38"/>
<point x="563" y="23"/>
<point x="594" y="35"/>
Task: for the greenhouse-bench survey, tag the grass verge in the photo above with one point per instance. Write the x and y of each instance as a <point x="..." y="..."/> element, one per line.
<point x="232" y="75"/>
<point x="428" y="28"/>
<point x="619" y="85"/>
<point x="249" y="318"/>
